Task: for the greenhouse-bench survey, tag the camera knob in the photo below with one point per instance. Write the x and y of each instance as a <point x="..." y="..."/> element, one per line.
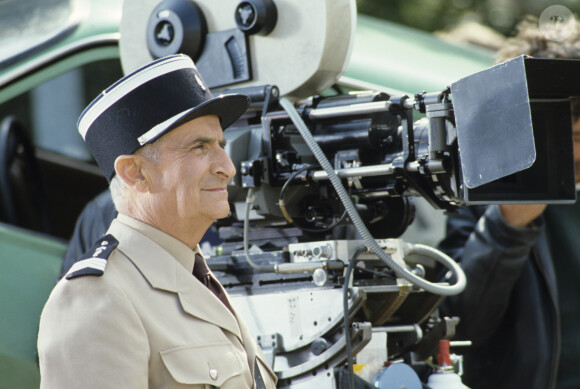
<point x="176" y="26"/>
<point x="256" y="16"/>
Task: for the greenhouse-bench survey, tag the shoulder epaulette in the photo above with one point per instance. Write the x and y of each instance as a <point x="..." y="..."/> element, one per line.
<point x="93" y="262"/>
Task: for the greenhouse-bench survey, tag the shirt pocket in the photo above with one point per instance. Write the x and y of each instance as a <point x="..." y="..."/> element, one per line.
<point x="211" y="364"/>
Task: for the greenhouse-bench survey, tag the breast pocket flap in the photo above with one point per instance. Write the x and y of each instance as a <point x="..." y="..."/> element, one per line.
<point x="212" y="364"/>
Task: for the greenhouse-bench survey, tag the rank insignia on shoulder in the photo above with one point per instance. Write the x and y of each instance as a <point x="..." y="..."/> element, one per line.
<point x="93" y="262"/>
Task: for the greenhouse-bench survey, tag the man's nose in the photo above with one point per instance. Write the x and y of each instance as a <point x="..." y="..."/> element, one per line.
<point x="224" y="165"/>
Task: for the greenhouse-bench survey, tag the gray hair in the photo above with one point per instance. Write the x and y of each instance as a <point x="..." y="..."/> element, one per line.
<point x="118" y="187"/>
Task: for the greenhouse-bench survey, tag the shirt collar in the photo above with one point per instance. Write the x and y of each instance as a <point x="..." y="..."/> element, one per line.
<point x="176" y="248"/>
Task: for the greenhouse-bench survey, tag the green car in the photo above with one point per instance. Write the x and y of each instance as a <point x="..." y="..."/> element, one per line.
<point x="56" y="56"/>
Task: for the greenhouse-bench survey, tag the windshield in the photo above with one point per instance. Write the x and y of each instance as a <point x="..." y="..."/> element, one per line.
<point x="25" y="24"/>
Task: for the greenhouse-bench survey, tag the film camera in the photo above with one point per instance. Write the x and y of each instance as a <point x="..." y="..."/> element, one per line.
<point x="326" y="180"/>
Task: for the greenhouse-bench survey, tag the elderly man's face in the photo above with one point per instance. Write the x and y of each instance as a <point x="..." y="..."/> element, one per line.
<point x="190" y="180"/>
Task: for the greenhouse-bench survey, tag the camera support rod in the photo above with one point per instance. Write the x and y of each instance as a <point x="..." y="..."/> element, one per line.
<point x="377" y="170"/>
<point x="355" y="109"/>
<point x="362" y="171"/>
<point x="349" y="110"/>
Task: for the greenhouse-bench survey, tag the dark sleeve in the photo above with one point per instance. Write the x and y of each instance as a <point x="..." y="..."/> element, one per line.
<point x="93" y="223"/>
<point x="492" y="255"/>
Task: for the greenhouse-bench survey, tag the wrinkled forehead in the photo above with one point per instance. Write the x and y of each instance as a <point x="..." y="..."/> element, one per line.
<point x="202" y="129"/>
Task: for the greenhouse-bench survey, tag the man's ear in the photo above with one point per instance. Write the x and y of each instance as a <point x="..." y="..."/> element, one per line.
<point x="130" y="169"/>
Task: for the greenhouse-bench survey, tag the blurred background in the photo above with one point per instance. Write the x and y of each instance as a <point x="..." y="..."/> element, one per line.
<point x="482" y="22"/>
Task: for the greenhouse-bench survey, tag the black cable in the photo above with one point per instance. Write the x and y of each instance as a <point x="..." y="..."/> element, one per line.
<point x="347" y="339"/>
<point x="292" y="178"/>
<point x="289" y="218"/>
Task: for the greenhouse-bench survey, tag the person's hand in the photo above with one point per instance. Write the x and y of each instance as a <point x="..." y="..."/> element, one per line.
<point x="521" y="215"/>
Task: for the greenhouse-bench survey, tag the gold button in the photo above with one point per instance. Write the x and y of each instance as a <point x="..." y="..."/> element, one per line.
<point x="213" y="373"/>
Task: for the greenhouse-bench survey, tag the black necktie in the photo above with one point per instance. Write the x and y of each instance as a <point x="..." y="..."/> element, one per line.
<point x="201" y="272"/>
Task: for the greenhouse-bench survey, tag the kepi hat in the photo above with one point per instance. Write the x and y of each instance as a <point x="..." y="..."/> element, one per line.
<point x="151" y="101"/>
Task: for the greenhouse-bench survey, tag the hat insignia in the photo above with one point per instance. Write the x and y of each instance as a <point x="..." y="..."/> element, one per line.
<point x="201" y="84"/>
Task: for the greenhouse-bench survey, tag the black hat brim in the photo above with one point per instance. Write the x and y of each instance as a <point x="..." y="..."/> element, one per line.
<point x="228" y="108"/>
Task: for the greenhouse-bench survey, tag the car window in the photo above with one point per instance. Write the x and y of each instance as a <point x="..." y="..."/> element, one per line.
<point x="26" y="24"/>
<point x="50" y="111"/>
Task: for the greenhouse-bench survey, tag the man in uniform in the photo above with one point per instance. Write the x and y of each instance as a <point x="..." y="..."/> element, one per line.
<point x="141" y="309"/>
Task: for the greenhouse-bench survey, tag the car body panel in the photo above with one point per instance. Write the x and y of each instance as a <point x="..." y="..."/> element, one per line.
<point x="410" y="61"/>
<point x="29" y="266"/>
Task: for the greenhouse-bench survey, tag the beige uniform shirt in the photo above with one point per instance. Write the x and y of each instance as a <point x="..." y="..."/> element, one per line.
<point x="147" y="322"/>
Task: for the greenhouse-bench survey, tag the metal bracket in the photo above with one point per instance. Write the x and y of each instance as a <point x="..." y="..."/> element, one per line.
<point x="270" y="345"/>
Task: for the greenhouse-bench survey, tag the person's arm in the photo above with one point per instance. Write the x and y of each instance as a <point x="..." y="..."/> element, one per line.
<point x="91" y="337"/>
<point x="521" y="215"/>
<point x="91" y="224"/>
<point x="492" y="253"/>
